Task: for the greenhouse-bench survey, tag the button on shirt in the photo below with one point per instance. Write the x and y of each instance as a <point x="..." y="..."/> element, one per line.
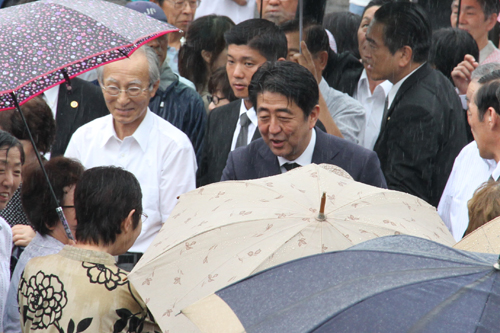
<point x="252" y="127"/>
<point x="468" y="173"/>
<point x="374" y="106"/>
<point x="158" y="154"/>
<point x="305" y="158"/>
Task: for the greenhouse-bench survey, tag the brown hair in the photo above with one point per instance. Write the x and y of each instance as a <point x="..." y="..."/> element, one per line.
<point x="484" y="205"/>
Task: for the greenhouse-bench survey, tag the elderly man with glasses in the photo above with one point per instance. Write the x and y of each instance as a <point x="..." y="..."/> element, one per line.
<point x="134" y="138"/>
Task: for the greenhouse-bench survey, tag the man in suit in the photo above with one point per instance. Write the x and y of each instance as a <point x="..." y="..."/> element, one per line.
<point x="423" y="128"/>
<point x="76" y="106"/>
<point x="286" y="100"/>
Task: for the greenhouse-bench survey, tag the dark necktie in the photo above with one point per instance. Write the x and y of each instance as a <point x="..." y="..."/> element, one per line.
<point x="290" y="166"/>
<point x="242" y="139"/>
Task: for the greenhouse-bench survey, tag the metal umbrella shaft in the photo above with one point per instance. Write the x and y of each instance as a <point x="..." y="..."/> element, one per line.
<point x="59" y="210"/>
<point x="261" y="6"/>
<point x="458" y="12"/>
<point x="301" y="23"/>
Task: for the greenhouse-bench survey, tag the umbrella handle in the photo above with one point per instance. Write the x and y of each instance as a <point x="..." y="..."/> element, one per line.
<point x="59" y="210"/>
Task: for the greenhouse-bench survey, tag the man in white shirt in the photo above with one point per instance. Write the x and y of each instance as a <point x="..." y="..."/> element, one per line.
<point x="423" y="128"/>
<point x="132" y="137"/>
<point x="236" y="10"/>
<point x="478" y="17"/>
<point x="476" y="163"/>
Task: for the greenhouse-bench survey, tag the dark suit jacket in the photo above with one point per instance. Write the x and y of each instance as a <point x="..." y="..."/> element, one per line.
<point x="221" y="125"/>
<point x="90" y="105"/>
<point x="421" y="134"/>
<point x="257" y="161"/>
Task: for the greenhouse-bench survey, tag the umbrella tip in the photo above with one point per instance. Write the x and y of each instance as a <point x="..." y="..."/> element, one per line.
<point x="321" y="215"/>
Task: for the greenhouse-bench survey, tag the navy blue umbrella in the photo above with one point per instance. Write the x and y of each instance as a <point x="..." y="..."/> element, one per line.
<point x="389" y="284"/>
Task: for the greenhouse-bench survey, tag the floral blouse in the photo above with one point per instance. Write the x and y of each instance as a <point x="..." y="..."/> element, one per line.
<point x="80" y="290"/>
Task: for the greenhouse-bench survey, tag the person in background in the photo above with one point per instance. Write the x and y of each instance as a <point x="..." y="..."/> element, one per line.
<point x="204" y="51"/>
<point x="484" y="205"/>
<point x="470" y="169"/>
<point x="448" y="49"/>
<point x="180" y="13"/>
<point x="11" y="161"/>
<point x="43" y="129"/>
<point x="237" y="10"/>
<point x="81" y="286"/>
<point x="40" y="207"/>
<point x="277" y="11"/>
<point x="344" y="27"/>
<point x="220" y="89"/>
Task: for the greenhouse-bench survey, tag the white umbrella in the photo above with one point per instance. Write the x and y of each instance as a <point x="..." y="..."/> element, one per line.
<point x="224" y="232"/>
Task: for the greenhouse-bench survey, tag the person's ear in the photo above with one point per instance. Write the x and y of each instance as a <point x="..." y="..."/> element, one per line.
<point x="207" y="56"/>
<point x="314" y="116"/>
<point x="128" y="222"/>
<point x="322" y="60"/>
<point x="405" y="56"/>
<point x="492" y="20"/>
<point x="493" y="119"/>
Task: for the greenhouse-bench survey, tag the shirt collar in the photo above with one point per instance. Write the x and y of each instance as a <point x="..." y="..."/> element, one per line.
<point x="306" y="157"/>
<point x="252" y="115"/>
<point x="141" y="134"/>
<point x="364" y="86"/>
<point x="397" y="85"/>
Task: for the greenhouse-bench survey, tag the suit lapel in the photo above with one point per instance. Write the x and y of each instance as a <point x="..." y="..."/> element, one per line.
<point x="409" y="82"/>
<point x="269" y="165"/>
<point x="228" y="126"/>
<point x="324" y="153"/>
<point x="66" y="112"/>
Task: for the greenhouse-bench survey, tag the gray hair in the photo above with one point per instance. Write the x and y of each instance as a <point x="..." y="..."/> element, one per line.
<point x="153" y="65"/>
<point x="482" y="70"/>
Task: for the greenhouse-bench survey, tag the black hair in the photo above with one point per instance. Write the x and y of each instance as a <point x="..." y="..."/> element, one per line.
<point x="374" y="3"/>
<point x="405" y="24"/>
<point x="205" y="33"/>
<point x="40" y="122"/>
<point x="344" y="27"/>
<point x="486" y="97"/>
<point x="286" y="78"/>
<point x="489" y="7"/>
<point x="104" y="196"/>
<point x="261" y="35"/>
<point x="36" y="198"/>
<point x="8" y="141"/>
<point x="315" y="35"/>
<point x="220" y="82"/>
<point x="449" y="47"/>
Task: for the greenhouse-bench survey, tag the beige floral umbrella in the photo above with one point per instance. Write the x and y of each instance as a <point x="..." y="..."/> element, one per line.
<point x="224" y="232"/>
<point x="485" y="239"/>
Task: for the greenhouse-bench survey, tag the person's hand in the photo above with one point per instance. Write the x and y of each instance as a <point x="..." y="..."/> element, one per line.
<point x="22" y="234"/>
<point x="461" y="74"/>
<point x="305" y="59"/>
<point x="241" y="2"/>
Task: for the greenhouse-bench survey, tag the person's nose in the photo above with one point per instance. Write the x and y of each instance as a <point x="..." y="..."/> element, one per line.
<point x="238" y="72"/>
<point x="187" y="8"/>
<point x="274" y="126"/>
<point x="462" y="19"/>
<point x="8" y="179"/>
<point x="122" y="97"/>
<point x="274" y="2"/>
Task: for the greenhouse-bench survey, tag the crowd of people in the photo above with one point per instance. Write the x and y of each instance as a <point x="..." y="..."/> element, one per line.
<point x="374" y="91"/>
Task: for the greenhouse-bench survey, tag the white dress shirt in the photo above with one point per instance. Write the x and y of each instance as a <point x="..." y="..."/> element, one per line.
<point x="227" y="8"/>
<point x="252" y="127"/>
<point x="5" y="250"/>
<point x="374" y="106"/>
<point x="468" y="173"/>
<point x="348" y="113"/>
<point x="51" y="97"/>
<point x="158" y="154"/>
<point x="305" y="158"/>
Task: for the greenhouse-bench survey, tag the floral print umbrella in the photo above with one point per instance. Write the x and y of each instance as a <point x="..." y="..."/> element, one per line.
<point x="44" y="43"/>
<point x="221" y="233"/>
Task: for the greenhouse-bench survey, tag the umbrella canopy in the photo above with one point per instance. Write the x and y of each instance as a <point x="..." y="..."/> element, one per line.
<point x="484" y="239"/>
<point x="44" y="43"/>
<point x="227" y="231"/>
<point x="390" y="284"/>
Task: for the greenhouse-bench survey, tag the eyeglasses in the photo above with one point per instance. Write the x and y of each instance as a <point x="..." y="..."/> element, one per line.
<point x="179" y="4"/>
<point x="215" y="99"/>
<point x="131" y="92"/>
<point x="144" y="217"/>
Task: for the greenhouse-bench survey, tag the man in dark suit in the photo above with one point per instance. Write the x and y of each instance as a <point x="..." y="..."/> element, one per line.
<point x="77" y="106"/>
<point x="250" y="44"/>
<point x="423" y="128"/>
<point x="286" y="100"/>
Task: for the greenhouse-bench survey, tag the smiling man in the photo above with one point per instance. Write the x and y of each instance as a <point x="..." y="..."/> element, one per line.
<point x="478" y="17"/>
<point x="134" y="138"/>
<point x="286" y="99"/>
<point x="423" y="128"/>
